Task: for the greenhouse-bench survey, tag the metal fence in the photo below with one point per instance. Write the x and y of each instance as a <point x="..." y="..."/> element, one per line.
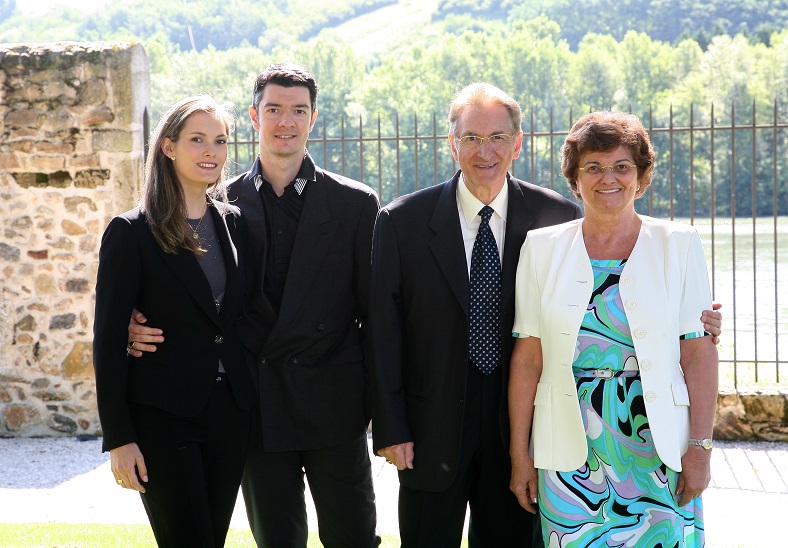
<point x="723" y="170"/>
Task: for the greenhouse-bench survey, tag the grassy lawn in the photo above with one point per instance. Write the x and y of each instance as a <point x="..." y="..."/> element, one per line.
<point x="94" y="535"/>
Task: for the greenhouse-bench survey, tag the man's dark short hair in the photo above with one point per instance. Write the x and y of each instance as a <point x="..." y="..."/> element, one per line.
<point x="288" y="75"/>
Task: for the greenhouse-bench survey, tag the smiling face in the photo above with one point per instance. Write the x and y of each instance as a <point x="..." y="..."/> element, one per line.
<point x="283" y="119"/>
<point x="611" y="192"/>
<point x="200" y="152"/>
<point x="484" y="168"/>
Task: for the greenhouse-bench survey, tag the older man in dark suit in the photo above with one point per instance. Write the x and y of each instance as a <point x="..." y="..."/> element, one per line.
<point x="441" y="312"/>
<point x="307" y="265"/>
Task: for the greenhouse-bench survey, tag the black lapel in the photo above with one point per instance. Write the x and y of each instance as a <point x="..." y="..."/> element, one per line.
<point x="447" y="245"/>
<point x="234" y="289"/>
<point x="246" y="196"/>
<point x="518" y="221"/>
<point x="316" y="230"/>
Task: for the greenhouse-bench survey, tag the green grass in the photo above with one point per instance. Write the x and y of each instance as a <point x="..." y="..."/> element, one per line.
<point x="94" y="535"/>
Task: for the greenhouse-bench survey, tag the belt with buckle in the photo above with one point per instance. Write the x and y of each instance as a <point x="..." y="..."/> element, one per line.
<point x="605" y="374"/>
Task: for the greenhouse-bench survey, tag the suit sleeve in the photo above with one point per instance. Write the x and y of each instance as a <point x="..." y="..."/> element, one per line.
<point x="389" y="416"/>
<point x="362" y="273"/>
<point x="117" y="286"/>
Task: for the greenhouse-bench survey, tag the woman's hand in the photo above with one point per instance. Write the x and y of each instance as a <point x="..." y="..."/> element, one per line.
<point x="128" y="466"/>
<point x="695" y="474"/>
<point x="524" y="483"/>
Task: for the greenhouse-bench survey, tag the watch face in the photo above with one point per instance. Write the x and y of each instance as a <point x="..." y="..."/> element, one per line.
<point x="706" y="444"/>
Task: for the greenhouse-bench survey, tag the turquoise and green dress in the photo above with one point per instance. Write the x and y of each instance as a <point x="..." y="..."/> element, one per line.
<point x="623" y="496"/>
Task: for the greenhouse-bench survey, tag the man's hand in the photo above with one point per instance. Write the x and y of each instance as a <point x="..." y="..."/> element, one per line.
<point x="712" y="321"/>
<point x="400" y="455"/>
<point x="524" y="483"/>
<point x="126" y="461"/>
<point x="695" y="474"/>
<point x="140" y="336"/>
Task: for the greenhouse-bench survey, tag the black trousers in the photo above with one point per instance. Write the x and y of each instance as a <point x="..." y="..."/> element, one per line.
<point x="435" y="519"/>
<point x="340" y="480"/>
<point x="194" y="466"/>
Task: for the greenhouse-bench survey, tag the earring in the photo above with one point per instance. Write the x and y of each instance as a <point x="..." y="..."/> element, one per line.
<point x="172" y="158"/>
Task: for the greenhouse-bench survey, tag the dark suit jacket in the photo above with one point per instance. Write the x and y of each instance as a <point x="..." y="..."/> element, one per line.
<point x="173" y="293"/>
<point x="419" y="320"/>
<point x="308" y="360"/>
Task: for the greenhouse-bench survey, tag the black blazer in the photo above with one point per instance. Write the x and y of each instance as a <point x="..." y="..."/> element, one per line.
<point x="173" y="293"/>
<point x="308" y="360"/>
<point x="419" y="320"/>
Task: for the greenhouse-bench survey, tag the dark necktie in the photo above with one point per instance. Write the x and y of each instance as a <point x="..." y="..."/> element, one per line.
<point x="485" y="332"/>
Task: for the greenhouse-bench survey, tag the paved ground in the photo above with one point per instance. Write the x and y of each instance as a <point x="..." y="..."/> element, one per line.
<point x="69" y="481"/>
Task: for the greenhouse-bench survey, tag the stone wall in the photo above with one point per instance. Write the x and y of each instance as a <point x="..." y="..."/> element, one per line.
<point x="71" y="153"/>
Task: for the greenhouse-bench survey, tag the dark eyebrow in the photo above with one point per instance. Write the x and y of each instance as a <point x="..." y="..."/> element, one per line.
<point x="474" y="134"/>
<point x="303" y="105"/>
<point x="202" y="134"/>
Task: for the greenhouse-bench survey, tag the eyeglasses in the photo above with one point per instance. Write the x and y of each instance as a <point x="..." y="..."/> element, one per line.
<point x="595" y="170"/>
<point x="498" y="141"/>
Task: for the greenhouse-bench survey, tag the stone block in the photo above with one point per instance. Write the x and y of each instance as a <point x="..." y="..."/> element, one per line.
<point x="91" y="178"/>
<point x="62" y="321"/>
<point x="47" y="147"/>
<point x="9" y="253"/>
<point x="113" y="140"/>
<point x="24" y="118"/>
<point x="45" y="285"/>
<point x="39" y="255"/>
<point x="51" y="395"/>
<point x="28" y="323"/>
<point x="763" y="405"/>
<point x="22" y="223"/>
<point x="97" y="116"/>
<point x="8" y="161"/>
<point x="63" y="243"/>
<point x="71" y="228"/>
<point x="59" y="120"/>
<point x="72" y="203"/>
<point x="18" y="417"/>
<point x="77" y="286"/>
<point x="84" y="161"/>
<point x="62" y="423"/>
<point x="41" y="383"/>
<point x="93" y="92"/>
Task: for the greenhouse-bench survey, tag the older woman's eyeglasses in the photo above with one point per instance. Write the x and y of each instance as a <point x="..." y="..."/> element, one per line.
<point x="498" y="141"/>
<point x="596" y="170"/>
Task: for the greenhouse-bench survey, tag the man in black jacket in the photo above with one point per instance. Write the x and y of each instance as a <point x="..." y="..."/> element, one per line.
<point x="307" y="265"/>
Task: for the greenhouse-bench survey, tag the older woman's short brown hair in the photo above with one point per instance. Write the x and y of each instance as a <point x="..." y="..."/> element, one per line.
<point x="604" y="132"/>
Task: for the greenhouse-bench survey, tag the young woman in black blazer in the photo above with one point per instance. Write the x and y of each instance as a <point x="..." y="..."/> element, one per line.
<point x="176" y="421"/>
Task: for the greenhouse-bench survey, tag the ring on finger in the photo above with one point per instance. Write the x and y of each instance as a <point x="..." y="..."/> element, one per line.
<point x="130" y="345"/>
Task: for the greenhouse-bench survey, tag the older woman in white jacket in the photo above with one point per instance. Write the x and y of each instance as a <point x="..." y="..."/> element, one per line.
<point x="613" y="379"/>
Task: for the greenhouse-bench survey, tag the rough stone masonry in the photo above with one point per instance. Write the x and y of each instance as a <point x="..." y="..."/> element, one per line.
<point x="72" y="135"/>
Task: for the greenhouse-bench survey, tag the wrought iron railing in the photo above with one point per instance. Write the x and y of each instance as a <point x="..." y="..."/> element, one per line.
<point x="727" y="175"/>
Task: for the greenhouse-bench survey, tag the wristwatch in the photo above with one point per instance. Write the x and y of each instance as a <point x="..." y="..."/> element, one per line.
<point x="706" y="443"/>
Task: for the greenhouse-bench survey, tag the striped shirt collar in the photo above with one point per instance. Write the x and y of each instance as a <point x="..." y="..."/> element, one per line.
<point x="305" y="174"/>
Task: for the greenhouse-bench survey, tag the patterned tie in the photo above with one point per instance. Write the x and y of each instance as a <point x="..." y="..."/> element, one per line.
<point x="485" y="334"/>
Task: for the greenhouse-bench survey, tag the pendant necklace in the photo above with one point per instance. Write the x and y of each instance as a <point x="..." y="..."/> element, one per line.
<point x="195" y="229"/>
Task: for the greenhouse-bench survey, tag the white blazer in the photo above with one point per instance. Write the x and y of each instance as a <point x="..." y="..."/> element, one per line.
<point x="664" y="288"/>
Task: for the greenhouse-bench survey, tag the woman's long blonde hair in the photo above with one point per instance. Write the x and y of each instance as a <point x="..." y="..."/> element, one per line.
<point x="162" y="196"/>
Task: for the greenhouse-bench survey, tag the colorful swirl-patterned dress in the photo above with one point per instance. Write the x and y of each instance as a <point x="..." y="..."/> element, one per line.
<point x="624" y="494"/>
